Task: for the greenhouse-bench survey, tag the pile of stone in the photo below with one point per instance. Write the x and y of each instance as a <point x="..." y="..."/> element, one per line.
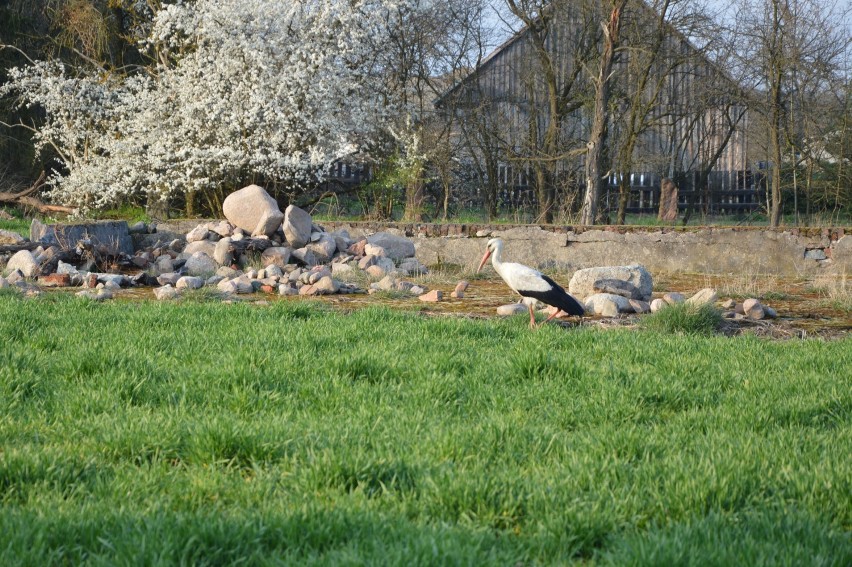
<point x="751" y="308"/>
<point x="257" y="249"/>
<point x="611" y="291"/>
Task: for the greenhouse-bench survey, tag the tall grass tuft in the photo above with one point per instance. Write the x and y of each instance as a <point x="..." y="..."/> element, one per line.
<point x="684" y="319"/>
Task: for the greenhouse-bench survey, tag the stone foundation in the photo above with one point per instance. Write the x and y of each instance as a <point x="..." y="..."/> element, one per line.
<point x="788" y="252"/>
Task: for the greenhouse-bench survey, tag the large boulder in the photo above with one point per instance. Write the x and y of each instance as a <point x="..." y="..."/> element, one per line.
<point x="24" y="261"/>
<point x="110" y="236"/>
<point x="253" y="210"/>
<point x="200" y="264"/>
<point x="607" y="304"/>
<point x="297" y="226"/>
<point x="323" y="247"/>
<point x="396" y="247"/>
<point x="582" y="284"/>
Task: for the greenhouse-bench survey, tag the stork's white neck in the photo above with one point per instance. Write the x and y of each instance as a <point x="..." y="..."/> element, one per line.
<point x="497" y="258"/>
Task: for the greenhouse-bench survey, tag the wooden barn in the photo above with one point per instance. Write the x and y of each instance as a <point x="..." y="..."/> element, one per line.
<point x="672" y="113"/>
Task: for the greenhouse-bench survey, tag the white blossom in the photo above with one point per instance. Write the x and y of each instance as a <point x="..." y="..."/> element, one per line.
<point x="236" y="88"/>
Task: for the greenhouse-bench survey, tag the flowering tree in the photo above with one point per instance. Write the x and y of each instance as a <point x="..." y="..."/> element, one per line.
<point x="235" y="88"/>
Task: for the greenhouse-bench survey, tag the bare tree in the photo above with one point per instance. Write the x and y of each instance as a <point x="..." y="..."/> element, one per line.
<point x="555" y="87"/>
<point x="781" y="41"/>
<point x="597" y="143"/>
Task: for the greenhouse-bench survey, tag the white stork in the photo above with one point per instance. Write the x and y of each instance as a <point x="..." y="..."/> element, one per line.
<point x="530" y="284"/>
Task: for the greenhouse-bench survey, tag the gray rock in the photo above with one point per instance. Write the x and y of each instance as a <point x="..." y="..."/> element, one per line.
<point x="223" y="228"/>
<point x="24" y="261"/>
<point x="658" y="304"/>
<point x="396" y="247"/>
<point x="3" y="283"/>
<point x="165" y="293"/>
<point x="376" y="271"/>
<point x="323" y="248"/>
<point x="189" y="282"/>
<point x="326" y="286"/>
<point x="640" y="306"/>
<point x="374" y="250"/>
<point x="703" y="297"/>
<point x="753" y="309"/>
<point x="342" y="240"/>
<point x="277" y="256"/>
<point x="729" y="304"/>
<point x="227" y="272"/>
<point x="7" y="237"/>
<point x="386" y="264"/>
<point x="769" y="312"/>
<point x="367" y="261"/>
<point x="204" y="246"/>
<point x="113" y="236"/>
<point x="582" y="283"/>
<point x="244" y="284"/>
<point x="197" y="233"/>
<point x="297" y="226"/>
<point x="170" y="278"/>
<point x="27" y="288"/>
<point x="15" y="276"/>
<point x="200" y="264"/>
<point x="339" y="269"/>
<point x="117" y="280"/>
<point x="253" y="210"/>
<point x="387" y="283"/>
<point x="673" y="298"/>
<point x="63" y="268"/>
<point x="305" y="256"/>
<point x="512" y="309"/>
<point x="412" y="266"/>
<point x="110" y="285"/>
<point x="227" y="286"/>
<point x="223" y="253"/>
<point x="617" y="287"/>
<point x="815" y="254"/>
<point x="165" y="264"/>
<point x="138" y="228"/>
<point x="99" y="295"/>
<point x="287" y="289"/>
<point x="268" y="223"/>
<point x="607" y="304"/>
<point x="315" y="275"/>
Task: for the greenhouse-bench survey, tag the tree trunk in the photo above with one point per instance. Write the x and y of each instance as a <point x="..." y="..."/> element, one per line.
<point x="414" y="195"/>
<point x="623" y="198"/>
<point x="596" y="147"/>
<point x="27" y="199"/>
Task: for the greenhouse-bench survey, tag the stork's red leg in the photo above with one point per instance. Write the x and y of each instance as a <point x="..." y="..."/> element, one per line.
<point x="532" y="316"/>
<point x="552" y="315"/>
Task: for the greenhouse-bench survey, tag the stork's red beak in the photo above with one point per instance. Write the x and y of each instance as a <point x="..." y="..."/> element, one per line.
<point x="484" y="259"/>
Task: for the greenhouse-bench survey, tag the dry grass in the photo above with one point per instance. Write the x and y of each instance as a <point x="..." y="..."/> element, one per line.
<point x="833" y="286"/>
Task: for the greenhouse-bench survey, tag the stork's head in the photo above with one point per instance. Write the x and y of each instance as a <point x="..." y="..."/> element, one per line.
<point x="494" y="245"/>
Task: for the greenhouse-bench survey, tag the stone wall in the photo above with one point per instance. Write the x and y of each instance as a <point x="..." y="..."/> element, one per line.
<point x="790" y="252"/>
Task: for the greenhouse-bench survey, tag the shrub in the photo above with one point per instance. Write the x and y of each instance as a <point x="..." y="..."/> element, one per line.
<point x="685" y="319"/>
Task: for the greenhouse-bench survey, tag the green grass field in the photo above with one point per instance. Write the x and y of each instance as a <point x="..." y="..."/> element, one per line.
<point x="202" y="433"/>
